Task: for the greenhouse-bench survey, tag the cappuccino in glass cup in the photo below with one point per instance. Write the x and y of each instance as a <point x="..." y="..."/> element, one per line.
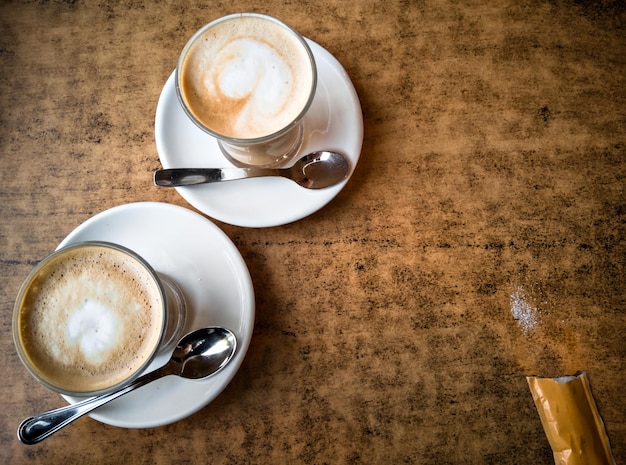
<point x="248" y="80"/>
<point x="92" y="316"/>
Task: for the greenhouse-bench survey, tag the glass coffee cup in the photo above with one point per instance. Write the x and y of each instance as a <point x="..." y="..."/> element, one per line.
<point x="92" y="316"/>
<point x="248" y="80"/>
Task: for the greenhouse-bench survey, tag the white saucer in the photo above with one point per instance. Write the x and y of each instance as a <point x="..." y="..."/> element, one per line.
<point x="216" y="283"/>
<point x="334" y="122"/>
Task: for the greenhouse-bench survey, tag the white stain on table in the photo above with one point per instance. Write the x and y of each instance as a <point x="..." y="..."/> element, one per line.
<point x="522" y="310"/>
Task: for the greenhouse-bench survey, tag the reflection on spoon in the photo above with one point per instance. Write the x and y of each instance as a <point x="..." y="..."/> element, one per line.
<point x="199" y="354"/>
<point x="316" y="170"/>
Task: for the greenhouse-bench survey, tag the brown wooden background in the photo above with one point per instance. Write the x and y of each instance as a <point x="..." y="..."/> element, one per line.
<point x="481" y="239"/>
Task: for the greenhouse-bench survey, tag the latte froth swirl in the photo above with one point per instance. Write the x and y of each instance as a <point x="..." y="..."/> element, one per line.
<point x="246" y="78"/>
<point x="256" y="86"/>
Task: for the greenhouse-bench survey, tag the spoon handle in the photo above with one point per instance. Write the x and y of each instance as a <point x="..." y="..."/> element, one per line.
<point x="175" y="177"/>
<point x="37" y="428"/>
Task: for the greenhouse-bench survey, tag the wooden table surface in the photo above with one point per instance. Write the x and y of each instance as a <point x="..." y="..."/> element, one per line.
<point x="481" y="239"/>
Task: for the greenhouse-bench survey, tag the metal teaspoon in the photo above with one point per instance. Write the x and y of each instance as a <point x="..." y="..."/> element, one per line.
<point x="199" y="354"/>
<point x="316" y="170"/>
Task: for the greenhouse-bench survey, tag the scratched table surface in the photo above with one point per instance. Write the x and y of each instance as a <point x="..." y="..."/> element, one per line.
<point x="481" y="239"/>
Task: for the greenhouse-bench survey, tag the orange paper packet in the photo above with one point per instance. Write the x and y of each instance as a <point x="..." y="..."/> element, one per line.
<point x="571" y="420"/>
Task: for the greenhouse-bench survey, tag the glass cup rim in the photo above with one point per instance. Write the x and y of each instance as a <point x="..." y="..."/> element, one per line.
<point x="236" y="140"/>
<point x="34" y="372"/>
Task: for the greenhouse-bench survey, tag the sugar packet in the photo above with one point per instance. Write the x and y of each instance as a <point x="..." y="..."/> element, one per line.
<point x="571" y="420"/>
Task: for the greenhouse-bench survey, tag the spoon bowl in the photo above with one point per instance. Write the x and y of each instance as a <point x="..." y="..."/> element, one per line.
<point x="317" y="170"/>
<point x="203" y="352"/>
<point x="198" y="355"/>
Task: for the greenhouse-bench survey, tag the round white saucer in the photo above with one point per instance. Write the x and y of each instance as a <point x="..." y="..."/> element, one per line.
<point x="213" y="276"/>
<point x="334" y="122"/>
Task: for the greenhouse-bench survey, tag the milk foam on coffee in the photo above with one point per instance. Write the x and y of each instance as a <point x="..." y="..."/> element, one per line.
<point x="91" y="318"/>
<point x="246" y="77"/>
<point x="93" y="328"/>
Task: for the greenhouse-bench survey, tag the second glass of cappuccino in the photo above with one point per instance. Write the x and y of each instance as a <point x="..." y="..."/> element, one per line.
<point x="92" y="316"/>
<point x="248" y="80"/>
